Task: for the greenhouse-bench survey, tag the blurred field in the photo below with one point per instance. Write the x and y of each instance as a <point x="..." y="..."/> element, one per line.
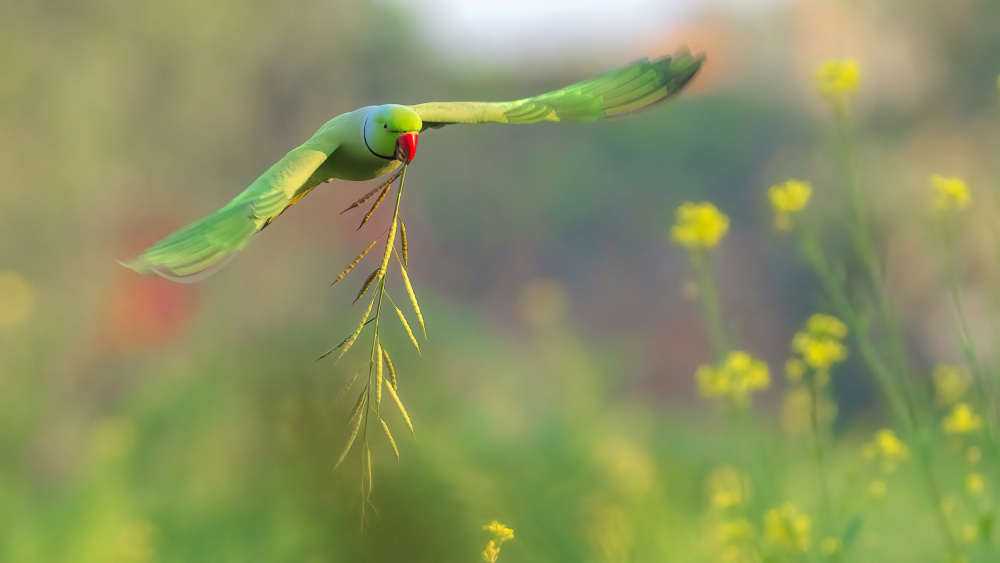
<point x="142" y="420"/>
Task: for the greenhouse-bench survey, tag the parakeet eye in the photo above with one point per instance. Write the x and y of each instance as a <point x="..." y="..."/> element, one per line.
<point x="385" y="126"/>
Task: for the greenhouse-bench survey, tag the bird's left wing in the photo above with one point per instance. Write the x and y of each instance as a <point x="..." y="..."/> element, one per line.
<point x="621" y="91"/>
<point x="198" y="250"/>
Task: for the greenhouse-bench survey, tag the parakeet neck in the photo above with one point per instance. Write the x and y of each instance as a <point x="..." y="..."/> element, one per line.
<point x="364" y="138"/>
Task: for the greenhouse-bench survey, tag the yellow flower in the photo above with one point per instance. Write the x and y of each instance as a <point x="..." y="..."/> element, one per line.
<point x="974" y="483"/>
<point x="491" y="552"/>
<point x="831" y="546"/>
<point x="950" y="384"/>
<point x="786" y="527"/>
<point x="836" y="78"/>
<point x="820" y="344"/>
<point x="819" y="353"/>
<point x="501" y="534"/>
<point x="890" y="445"/>
<point x="887" y="448"/>
<point x="728" y="486"/>
<point x="738" y="375"/>
<point x="826" y="326"/>
<point x="952" y="193"/>
<point x="788" y="198"/>
<point x="791" y="196"/>
<point x="699" y="226"/>
<point x="961" y="420"/>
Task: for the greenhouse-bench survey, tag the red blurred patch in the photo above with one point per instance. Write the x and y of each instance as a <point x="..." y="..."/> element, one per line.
<point x="146" y="311"/>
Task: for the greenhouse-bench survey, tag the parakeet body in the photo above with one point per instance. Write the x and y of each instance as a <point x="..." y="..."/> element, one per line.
<point x="374" y="140"/>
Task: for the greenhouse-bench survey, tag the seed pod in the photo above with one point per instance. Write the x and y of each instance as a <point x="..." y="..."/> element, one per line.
<point x="354" y="263"/>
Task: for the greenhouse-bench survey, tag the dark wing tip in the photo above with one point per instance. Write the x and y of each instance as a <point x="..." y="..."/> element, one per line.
<point x="678" y="69"/>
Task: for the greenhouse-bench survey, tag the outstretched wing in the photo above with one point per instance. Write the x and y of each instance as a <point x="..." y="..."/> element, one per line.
<point x="198" y="250"/>
<point x="627" y="89"/>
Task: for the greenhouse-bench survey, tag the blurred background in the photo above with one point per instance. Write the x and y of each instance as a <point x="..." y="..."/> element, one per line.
<point x="142" y="420"/>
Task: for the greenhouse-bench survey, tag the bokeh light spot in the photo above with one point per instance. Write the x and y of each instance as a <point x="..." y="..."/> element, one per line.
<point x="17" y="300"/>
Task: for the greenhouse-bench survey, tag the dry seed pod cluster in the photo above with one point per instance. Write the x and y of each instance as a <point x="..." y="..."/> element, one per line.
<point x="381" y="370"/>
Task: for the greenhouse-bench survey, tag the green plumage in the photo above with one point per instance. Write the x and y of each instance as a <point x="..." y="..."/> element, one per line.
<point x="627" y="89"/>
<point x="365" y="144"/>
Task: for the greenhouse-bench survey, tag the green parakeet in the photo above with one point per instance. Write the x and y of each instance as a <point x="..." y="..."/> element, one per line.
<point x="374" y="140"/>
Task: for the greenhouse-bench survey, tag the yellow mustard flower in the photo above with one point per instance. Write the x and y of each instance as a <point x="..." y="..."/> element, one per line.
<point x="831" y="546"/>
<point x="788" y="198"/>
<point x="952" y="193"/>
<point x="820" y="345"/>
<point x="786" y="527"/>
<point x="961" y="420"/>
<point x="838" y="78"/>
<point x="736" y="377"/>
<point x="826" y="326"/>
<point x="491" y="552"/>
<point x="818" y="353"/>
<point x="728" y="486"/>
<point x="699" y="226"/>
<point x="950" y="383"/>
<point x="974" y="483"/>
<point x="501" y="534"/>
<point x="886" y="448"/>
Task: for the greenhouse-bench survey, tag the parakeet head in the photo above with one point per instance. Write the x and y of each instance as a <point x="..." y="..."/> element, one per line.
<point x="390" y="132"/>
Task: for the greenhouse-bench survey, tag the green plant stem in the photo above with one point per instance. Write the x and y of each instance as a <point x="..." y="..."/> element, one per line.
<point x="739" y="415"/>
<point x="819" y="440"/>
<point x="969" y="352"/>
<point x="971" y="355"/>
<point x="816" y="258"/>
<point x="865" y="247"/>
<point x="709" y="294"/>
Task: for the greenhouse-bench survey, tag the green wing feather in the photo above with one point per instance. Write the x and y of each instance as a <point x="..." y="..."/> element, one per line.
<point x="627" y="89"/>
<point x="198" y="250"/>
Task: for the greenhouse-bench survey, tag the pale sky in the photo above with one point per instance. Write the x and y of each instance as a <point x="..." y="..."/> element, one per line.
<point x="526" y="31"/>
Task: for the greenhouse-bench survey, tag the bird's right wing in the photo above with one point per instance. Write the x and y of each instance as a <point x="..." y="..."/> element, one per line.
<point x="621" y="91"/>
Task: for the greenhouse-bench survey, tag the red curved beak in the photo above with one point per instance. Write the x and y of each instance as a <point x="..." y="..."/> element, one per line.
<point x="408" y="145"/>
